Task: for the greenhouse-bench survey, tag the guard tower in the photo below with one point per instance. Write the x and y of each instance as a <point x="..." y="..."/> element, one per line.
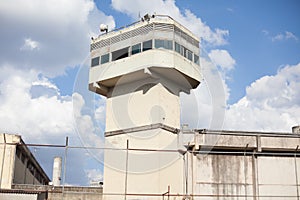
<point x="141" y="69"/>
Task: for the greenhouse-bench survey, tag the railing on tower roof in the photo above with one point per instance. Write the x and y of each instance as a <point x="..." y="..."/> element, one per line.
<point x="116" y="35"/>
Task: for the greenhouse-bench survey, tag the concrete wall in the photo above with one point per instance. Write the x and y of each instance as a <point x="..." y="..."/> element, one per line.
<point x="223" y="175"/>
<point x="75" y="193"/>
<point x="277" y="177"/>
<point x="10" y="196"/>
<point x="7" y="159"/>
<point x="20" y="172"/>
<point x="46" y="192"/>
<point x="243" y="165"/>
<point x="246" y="177"/>
<point x="142" y="104"/>
<point x="22" y="175"/>
<point x="140" y="173"/>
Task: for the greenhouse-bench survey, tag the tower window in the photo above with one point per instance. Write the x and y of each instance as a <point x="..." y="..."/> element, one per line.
<point x="119" y="54"/>
<point x="135" y="49"/>
<point x="189" y="54"/>
<point x="147" y="45"/>
<point x="105" y="58"/>
<point x="95" y="61"/>
<point x="177" y="47"/>
<point x="166" y="44"/>
<point x="196" y="59"/>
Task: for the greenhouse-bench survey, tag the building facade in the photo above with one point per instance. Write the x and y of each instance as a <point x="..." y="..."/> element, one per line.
<point x="243" y="165"/>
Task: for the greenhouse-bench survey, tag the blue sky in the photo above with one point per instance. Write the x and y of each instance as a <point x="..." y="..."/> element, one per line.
<point x="44" y="62"/>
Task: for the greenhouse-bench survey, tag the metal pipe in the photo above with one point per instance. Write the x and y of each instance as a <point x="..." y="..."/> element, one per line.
<point x="126" y="169"/>
<point x="65" y="166"/>
<point x="288" y="152"/>
<point x="245" y="170"/>
<point x="296" y="171"/>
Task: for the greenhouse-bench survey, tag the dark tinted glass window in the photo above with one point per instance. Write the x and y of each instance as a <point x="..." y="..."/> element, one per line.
<point x="177" y="47"/>
<point x="105" y="58"/>
<point x="95" y="61"/>
<point x="119" y="54"/>
<point x="135" y="49"/>
<point x="147" y="45"/>
<point x="189" y="55"/>
<point x="196" y="59"/>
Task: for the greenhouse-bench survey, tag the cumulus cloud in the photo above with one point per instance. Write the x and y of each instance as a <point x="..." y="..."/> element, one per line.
<point x="271" y="103"/>
<point x="48" y="36"/>
<point x="222" y="58"/>
<point x="24" y="111"/>
<point x="135" y="7"/>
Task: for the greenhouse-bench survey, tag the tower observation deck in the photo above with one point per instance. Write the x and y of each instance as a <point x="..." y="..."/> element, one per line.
<point x="159" y="44"/>
<point x="141" y="70"/>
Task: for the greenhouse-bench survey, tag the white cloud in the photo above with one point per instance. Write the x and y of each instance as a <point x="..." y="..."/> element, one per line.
<point x="230" y="9"/>
<point x="135" y="7"/>
<point x="100" y="111"/>
<point x="278" y="37"/>
<point x="289" y="35"/>
<point x="41" y="114"/>
<point x="44" y="82"/>
<point x="222" y="58"/>
<point x="94" y="175"/>
<point x="33" y="117"/>
<point x="284" y="36"/>
<point x="97" y="17"/>
<point x="87" y="126"/>
<point x="272" y="103"/>
<point x="59" y="29"/>
<point x="30" y="44"/>
<point x="265" y="32"/>
<point x="205" y="106"/>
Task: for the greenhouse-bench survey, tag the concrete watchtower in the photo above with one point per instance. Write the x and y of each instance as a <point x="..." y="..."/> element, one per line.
<point x="141" y="69"/>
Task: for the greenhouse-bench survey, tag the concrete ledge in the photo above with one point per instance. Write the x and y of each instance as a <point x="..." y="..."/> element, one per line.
<point x="261" y="141"/>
